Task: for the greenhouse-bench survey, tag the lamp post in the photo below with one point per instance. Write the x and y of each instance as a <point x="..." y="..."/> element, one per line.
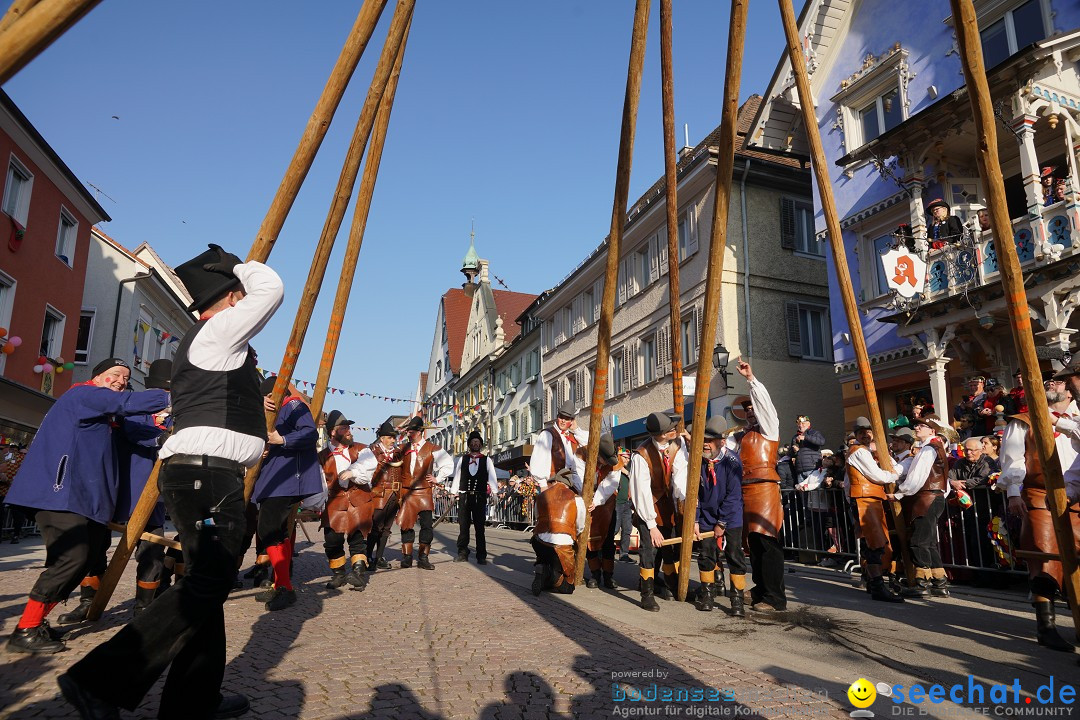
<point x="720" y="361"/>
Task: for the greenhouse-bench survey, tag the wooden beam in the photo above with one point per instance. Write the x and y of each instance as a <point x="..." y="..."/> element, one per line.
<point x="24" y="38"/>
<point x="15" y="11"/>
<point x="672" y="201"/>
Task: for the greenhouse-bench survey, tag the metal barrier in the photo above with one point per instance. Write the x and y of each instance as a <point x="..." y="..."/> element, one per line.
<point x="980" y="538"/>
<point x="511" y="511"/>
<point x="9" y="516"/>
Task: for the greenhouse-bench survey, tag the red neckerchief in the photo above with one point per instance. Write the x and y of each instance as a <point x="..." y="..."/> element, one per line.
<point x="476" y="456"/>
<point x="1059" y="415"/>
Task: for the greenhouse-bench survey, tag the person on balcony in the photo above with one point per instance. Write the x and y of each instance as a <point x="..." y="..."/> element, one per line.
<point x="1046" y="177"/>
<point x="945" y="228"/>
<point x="976" y="404"/>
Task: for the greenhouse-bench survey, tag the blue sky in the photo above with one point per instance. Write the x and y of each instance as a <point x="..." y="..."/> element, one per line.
<point x="508" y="112"/>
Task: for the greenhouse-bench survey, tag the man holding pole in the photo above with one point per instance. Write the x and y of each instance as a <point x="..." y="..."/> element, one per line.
<point x="348" y="508"/>
<point x="560" y="518"/>
<point x="601" y="547"/>
<point x="559" y="445"/>
<point x="219" y="432"/>
<point x="425" y="465"/>
<point x="657" y="487"/>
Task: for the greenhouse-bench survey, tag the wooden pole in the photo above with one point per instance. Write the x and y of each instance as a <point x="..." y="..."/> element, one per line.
<point x="843" y="274"/>
<point x="672" y="200"/>
<point x="342" y="193"/>
<point x="17" y="9"/>
<point x="614" y="242"/>
<point x="327" y="105"/>
<point x="316" y="128"/>
<point x="36" y="29"/>
<point x="1012" y="282"/>
<point x="725" y="164"/>
<point x="359" y="225"/>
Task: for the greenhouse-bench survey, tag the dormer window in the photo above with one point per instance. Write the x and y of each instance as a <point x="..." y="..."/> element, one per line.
<point x="1006" y="33"/>
<point x="873" y="100"/>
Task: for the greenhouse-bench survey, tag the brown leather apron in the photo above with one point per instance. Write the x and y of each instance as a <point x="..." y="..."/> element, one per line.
<point x="347" y="509"/>
<point x="416" y="494"/>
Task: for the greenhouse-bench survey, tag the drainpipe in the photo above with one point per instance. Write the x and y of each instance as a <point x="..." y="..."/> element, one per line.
<point x="746" y="261"/>
<point x="116" y="315"/>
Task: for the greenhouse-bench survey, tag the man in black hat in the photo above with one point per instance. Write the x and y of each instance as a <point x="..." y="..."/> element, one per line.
<point x="719" y="509"/>
<point x="944" y="228"/>
<point x="474" y="481"/>
<point x="601" y="546"/>
<point x="69" y="479"/>
<point x="425" y="466"/>
<point x="379" y="467"/>
<point x="219" y="432"/>
<point x="344" y="519"/>
<point x="657" y="486"/>
<point x="559" y="445"/>
<point x="560" y="518"/>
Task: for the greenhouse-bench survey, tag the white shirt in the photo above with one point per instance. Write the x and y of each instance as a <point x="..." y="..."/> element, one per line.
<point x="540" y="464"/>
<point x="563" y="538"/>
<point x="641" y="482"/>
<point x="1013" y="461"/>
<point x="222" y="345"/>
<point x="607" y="487"/>
<point x="474" y="465"/>
<point x="863" y="460"/>
<point x="340" y="454"/>
<point x="918" y="471"/>
<point x="442" y="465"/>
<point x="767" y="419"/>
<point x="361" y="472"/>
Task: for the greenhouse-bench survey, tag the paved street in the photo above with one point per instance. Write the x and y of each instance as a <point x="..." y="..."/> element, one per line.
<point x="467" y="641"/>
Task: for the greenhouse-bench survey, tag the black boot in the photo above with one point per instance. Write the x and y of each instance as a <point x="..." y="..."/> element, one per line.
<point x="939" y="587"/>
<point x="920" y="590"/>
<point x="33" y="640"/>
<point x="1046" y="631"/>
<point x="737" y="605"/>
<point x="143" y="598"/>
<point x="357" y="576"/>
<point x="878" y="591"/>
<point x="337" y="577"/>
<point x="705" y="597"/>
<point x="259" y="574"/>
<point x="423" y="561"/>
<point x="661" y="590"/>
<point x="406" y="555"/>
<point x="648" y="601"/>
<point x="86" y="598"/>
<point x="591" y="582"/>
<point x="609" y="580"/>
<point x="539" y="572"/>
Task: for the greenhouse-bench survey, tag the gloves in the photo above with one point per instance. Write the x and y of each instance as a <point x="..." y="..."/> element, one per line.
<point x="225" y="263"/>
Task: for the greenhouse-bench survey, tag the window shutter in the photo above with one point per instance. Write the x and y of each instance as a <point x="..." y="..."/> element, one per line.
<point x="625" y="366"/>
<point x="621" y="283"/>
<point x="635" y="372"/>
<point x="580" y="383"/>
<point x="663" y="349"/>
<point x="692" y="229"/>
<point x="598" y="293"/>
<point x="787" y="223"/>
<point x="654" y="260"/>
<point x="794" y="331"/>
<point x="661" y="251"/>
<point x="575" y="313"/>
<point x="547" y="405"/>
<point x="698" y="316"/>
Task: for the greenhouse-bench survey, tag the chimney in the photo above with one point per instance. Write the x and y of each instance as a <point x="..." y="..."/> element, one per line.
<point x="686" y="149"/>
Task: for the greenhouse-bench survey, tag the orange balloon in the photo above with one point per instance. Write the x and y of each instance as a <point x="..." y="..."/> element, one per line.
<point x="3" y="331"/>
<point x="8" y="349"/>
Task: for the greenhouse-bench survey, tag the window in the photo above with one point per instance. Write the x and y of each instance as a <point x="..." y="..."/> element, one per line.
<point x="687" y="235"/>
<point x="535" y="416"/>
<point x="144" y="347"/>
<point x="86" y="332"/>
<point x="513" y="432"/>
<point x="532" y="364"/>
<point x="66" y="237"/>
<point x="571" y="387"/>
<point x="874" y="99"/>
<point x="515" y="374"/>
<point x="7" y="297"/>
<point x="641" y="269"/>
<point x="567" y="318"/>
<point x="617" y="367"/>
<point x="883" y="113"/>
<point x="648" y="358"/>
<point x="797" y="227"/>
<point x="438" y="370"/>
<point x="882" y="246"/>
<point x="809" y="333"/>
<point x="17" y="189"/>
<point x="689" y="341"/>
<point x="588" y="307"/>
<point x="52" y="333"/>
<point x="1014" y="31"/>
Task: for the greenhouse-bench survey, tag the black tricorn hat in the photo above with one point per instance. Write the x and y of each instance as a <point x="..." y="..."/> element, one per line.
<point x="416" y="423"/>
<point x="205" y="286"/>
<point x="608" y="454"/>
<point x="267" y="385"/>
<point x="387" y="428"/>
<point x="336" y="418"/>
<point x="160" y="375"/>
<point x="476" y="434"/>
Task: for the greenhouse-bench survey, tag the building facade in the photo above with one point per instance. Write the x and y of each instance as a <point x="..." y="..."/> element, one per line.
<point x="895" y="120"/>
<point x="774" y="304"/>
<point x="45" y="220"/>
<point x="518" y="408"/>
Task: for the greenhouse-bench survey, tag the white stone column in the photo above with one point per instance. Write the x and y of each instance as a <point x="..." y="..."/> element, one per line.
<point x="1058" y="306"/>
<point x="1024" y="125"/>
<point x="935" y="362"/>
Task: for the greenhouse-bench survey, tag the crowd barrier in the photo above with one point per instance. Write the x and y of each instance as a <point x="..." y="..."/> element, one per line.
<point x="7" y="524"/>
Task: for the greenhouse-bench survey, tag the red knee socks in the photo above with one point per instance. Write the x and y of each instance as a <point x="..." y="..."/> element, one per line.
<point x="280" y="558"/>
<point x="34" y="614"/>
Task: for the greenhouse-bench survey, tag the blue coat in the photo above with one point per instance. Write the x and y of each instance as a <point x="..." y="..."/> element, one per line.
<point x="136" y="452"/>
<point x="721" y="501"/>
<point x="292" y="469"/>
<point x="71" y="464"/>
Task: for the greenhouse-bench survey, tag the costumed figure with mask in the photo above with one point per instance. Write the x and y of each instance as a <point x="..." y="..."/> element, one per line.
<point x="474" y="482"/>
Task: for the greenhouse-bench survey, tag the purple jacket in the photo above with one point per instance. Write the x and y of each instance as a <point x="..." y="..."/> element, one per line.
<point x="136" y="453"/>
<point x="720" y="501"/>
<point x="71" y="464"/>
<point x="292" y="469"/>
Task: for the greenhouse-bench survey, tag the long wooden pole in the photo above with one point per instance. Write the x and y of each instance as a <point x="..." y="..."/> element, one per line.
<point x="359" y="225"/>
<point x="316" y="128"/>
<point x="843" y="274"/>
<point x="15" y="11"/>
<point x="667" y="75"/>
<point x="1012" y="282"/>
<point x="614" y="243"/>
<point x="34" y="30"/>
<point x="725" y="164"/>
<point x="325" y="108"/>
<point x="347" y="179"/>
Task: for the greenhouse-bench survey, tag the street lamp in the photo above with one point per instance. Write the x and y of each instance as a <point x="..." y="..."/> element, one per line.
<point x="720" y="361"/>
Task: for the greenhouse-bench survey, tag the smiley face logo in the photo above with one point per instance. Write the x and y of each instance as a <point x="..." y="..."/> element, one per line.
<point x="862" y="693"/>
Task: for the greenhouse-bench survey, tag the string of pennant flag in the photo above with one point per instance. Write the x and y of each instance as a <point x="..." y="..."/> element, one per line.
<point x="338" y="391"/>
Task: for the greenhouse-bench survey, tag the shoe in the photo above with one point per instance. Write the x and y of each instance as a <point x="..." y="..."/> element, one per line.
<point x="829" y="563"/>
<point x="266" y="593"/>
<point x="382" y="564"/>
<point x="648" y="598"/>
<point x="765" y="608"/>
<point x="661" y="591"/>
<point x="538" y="580"/>
<point x="564" y="588"/>
<point x="879" y="591"/>
<point x="232" y="706"/>
<point x="481" y="561"/>
<point x="79" y="614"/>
<point x="939" y="587"/>
<point x="919" y="591"/>
<point x="626" y="558"/>
<point x="35" y="640"/>
<point x="1046" y="632"/>
<point x="54" y="633"/>
<point x="738" y="608"/>
<point x="591" y="583"/>
<point x="281" y="600"/>
<point x="251" y="573"/>
<point x="337" y="579"/>
<point x="406" y="562"/>
<point x="424" y="563"/>
<point x="357" y="576"/>
<point x="88" y="706"/>
<point x="259" y="574"/>
<point x="705" y="599"/>
<point x="609" y="581"/>
<point x="462" y="557"/>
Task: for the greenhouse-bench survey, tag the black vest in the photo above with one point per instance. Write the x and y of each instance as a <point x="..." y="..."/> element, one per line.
<point x="473" y="483"/>
<point x="227" y="399"/>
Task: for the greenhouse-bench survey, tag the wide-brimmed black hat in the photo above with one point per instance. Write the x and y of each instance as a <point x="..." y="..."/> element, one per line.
<point x="608" y="454"/>
<point x="416" y="423"/>
<point x="659" y="423"/>
<point x="476" y="434"/>
<point x="336" y="419"/>
<point x="566" y="410"/>
<point x="937" y="202"/>
<point x="387" y="428"/>
<point x="715" y="427"/>
<point x="205" y="286"/>
<point x="160" y="374"/>
<point x="267" y="385"/>
<point x="862" y="423"/>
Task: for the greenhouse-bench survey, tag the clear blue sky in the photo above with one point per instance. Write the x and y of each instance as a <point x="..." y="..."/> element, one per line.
<point x="508" y="112"/>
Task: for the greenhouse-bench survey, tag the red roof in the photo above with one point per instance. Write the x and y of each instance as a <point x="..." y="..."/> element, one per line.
<point x="456" y="305"/>
<point x="510" y="305"/>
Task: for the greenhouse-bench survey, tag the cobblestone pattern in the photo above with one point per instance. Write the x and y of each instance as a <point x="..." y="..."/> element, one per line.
<point x="453" y="643"/>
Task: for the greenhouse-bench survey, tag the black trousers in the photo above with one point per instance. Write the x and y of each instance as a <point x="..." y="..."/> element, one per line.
<point x="922" y="536"/>
<point x="472" y="511"/>
<point x="669" y="554"/>
<point x="607" y="548"/>
<point x="427" y="532"/>
<point x="767" y="568"/>
<point x="274" y="516"/>
<point x="185" y="627"/>
<point x="150" y="558"/>
<point x="74" y="548"/>
<point x="734" y="557"/>
<point x="334" y="543"/>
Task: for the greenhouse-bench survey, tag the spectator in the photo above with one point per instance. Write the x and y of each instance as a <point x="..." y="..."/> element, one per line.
<point x="822" y="504"/>
<point x="1017" y="399"/>
<point x="624" y="511"/>
<point x="991" y="447"/>
<point x="806" y="447"/>
<point x="971" y="474"/>
<point x="977" y="405"/>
